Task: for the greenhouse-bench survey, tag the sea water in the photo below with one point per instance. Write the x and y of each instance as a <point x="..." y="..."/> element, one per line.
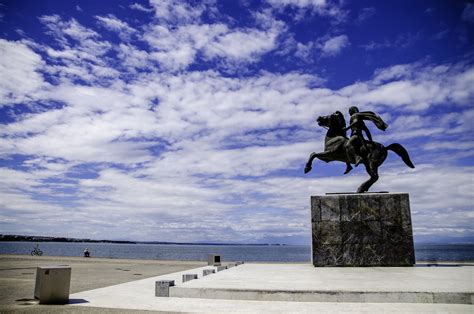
<point x="250" y="253"/>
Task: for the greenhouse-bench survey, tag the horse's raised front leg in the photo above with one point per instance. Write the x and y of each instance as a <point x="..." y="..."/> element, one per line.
<point x="312" y="156"/>
<point x="373" y="171"/>
<point x="309" y="163"/>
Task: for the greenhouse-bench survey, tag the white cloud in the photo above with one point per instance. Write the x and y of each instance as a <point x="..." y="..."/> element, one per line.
<point x="325" y="8"/>
<point x="333" y="46"/>
<point x="279" y="205"/>
<point x="365" y="14"/>
<point x="242" y="44"/>
<point x="173" y="46"/>
<point x="298" y="3"/>
<point x="395" y="72"/>
<point x="419" y="87"/>
<point x="80" y="53"/>
<point x="175" y="11"/>
<point x="467" y="146"/>
<point x="62" y="30"/>
<point x="326" y="46"/>
<point x="114" y="24"/>
<point x="20" y="79"/>
<point x="177" y="48"/>
<point x="139" y="7"/>
<point x="198" y="112"/>
<point x="133" y="58"/>
<point x="468" y="13"/>
<point x="69" y="33"/>
<point x="304" y="51"/>
<point x="402" y="41"/>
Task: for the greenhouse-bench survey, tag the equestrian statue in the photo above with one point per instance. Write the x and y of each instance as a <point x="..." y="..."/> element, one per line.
<point x="356" y="149"/>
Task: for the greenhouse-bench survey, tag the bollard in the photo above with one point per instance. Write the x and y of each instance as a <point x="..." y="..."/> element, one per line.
<point x="214" y="260"/>
<point x="52" y="284"/>
<point x="206" y="272"/>
<point x="162" y="288"/>
<point x="221" y="268"/>
<point x="188" y="277"/>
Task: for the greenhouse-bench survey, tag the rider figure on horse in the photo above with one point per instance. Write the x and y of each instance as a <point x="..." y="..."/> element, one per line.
<point x="356" y="146"/>
<point x="337" y="147"/>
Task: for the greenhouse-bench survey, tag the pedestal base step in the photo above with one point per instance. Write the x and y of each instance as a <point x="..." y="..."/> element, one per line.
<point x="304" y="283"/>
<point x="322" y="296"/>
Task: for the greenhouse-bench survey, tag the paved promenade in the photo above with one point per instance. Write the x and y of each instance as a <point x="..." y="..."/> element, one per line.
<point x="17" y="278"/>
<point x="114" y="286"/>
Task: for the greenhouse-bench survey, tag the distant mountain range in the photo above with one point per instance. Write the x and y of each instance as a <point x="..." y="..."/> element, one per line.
<point x="24" y="238"/>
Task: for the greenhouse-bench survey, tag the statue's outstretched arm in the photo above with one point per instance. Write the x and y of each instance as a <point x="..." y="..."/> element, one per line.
<point x="350" y="126"/>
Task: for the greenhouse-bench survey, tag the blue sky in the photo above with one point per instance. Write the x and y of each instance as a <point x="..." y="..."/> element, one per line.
<point x="192" y="121"/>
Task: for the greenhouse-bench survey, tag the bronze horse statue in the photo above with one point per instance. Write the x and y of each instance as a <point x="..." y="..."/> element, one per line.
<point x="335" y="149"/>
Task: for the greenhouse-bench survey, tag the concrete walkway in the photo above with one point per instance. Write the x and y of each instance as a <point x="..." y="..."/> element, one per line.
<point x="290" y="278"/>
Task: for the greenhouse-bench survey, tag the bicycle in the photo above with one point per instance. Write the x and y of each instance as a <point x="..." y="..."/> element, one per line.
<point x="36" y="251"/>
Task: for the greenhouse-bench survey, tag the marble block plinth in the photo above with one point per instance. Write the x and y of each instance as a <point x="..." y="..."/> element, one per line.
<point x="53" y="284"/>
<point x="362" y="230"/>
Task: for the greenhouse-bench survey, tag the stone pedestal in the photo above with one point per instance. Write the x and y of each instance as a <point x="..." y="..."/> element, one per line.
<point x="362" y="230"/>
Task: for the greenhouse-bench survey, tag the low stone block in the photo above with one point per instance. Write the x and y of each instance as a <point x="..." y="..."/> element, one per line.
<point x="221" y="268"/>
<point x="213" y="260"/>
<point x="362" y="230"/>
<point x="162" y="288"/>
<point x="53" y="284"/>
<point x="188" y="277"/>
<point x="239" y="263"/>
<point x="206" y="272"/>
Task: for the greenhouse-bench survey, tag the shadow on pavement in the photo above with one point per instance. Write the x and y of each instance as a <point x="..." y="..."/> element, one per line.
<point x="77" y="301"/>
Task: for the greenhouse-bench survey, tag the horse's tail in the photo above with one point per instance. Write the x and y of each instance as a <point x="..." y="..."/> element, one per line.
<point x="402" y="152"/>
